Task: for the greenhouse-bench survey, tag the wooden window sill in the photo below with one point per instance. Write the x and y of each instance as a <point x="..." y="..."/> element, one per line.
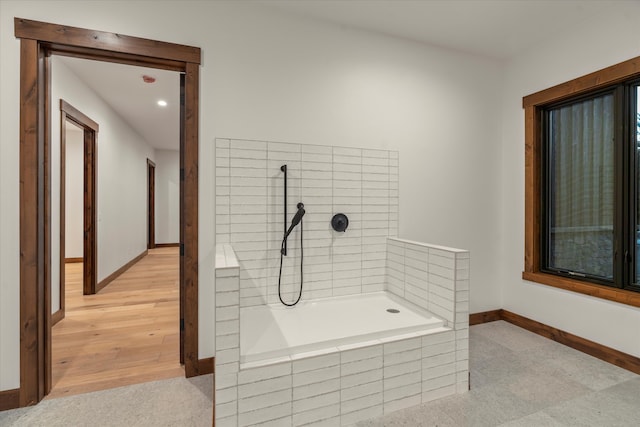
<point x="598" y="291"/>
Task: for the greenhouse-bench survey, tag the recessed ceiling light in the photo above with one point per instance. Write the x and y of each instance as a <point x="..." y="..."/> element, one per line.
<point x="162" y="103"/>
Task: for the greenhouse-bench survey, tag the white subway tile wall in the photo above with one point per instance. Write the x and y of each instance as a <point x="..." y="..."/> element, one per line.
<point x="354" y="383"/>
<point x="361" y="183"/>
<point x="435" y="278"/>
<point x="360" y="381"/>
<point x="227" y="336"/>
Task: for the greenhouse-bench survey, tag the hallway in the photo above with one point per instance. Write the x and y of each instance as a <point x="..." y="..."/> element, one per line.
<point x="126" y="334"/>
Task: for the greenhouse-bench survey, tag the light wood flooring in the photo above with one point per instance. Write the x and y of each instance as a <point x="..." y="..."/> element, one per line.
<point x="126" y="334"/>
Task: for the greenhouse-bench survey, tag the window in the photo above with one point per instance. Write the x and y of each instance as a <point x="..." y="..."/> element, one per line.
<point x="578" y="196"/>
<point x="582" y="178"/>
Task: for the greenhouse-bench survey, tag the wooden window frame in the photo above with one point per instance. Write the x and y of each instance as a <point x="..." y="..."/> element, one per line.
<point x="534" y="105"/>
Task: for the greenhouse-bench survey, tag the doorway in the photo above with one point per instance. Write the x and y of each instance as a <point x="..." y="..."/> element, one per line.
<point x="38" y="41"/>
<point x="126" y="332"/>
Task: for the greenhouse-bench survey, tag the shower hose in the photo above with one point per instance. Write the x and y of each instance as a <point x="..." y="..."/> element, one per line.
<point x="301" y="270"/>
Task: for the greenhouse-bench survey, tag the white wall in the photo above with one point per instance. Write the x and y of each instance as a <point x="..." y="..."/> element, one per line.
<point x="610" y="40"/>
<point x="167" y="196"/>
<point x="267" y="76"/>
<point x="121" y="178"/>
<point x="73" y="205"/>
<point x="74" y="194"/>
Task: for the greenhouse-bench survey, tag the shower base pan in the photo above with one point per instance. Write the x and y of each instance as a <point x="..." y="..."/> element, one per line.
<point x="275" y="333"/>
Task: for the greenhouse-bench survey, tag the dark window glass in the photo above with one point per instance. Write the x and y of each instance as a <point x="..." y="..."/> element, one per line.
<point x="636" y="127"/>
<point x="580" y="187"/>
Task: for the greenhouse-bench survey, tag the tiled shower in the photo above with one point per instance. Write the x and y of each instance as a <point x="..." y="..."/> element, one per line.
<point x="360" y="183"/>
<point x="341" y="385"/>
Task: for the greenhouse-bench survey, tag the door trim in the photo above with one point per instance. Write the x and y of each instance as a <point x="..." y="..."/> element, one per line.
<point x="90" y="131"/>
<point x="151" y="204"/>
<point x="38" y="40"/>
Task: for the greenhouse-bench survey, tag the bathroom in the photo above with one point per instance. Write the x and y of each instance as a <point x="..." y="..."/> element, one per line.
<point x="455" y="119"/>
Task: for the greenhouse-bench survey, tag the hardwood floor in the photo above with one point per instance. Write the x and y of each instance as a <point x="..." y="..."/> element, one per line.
<point x="128" y="333"/>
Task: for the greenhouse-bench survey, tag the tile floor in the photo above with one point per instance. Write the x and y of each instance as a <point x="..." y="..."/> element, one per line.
<point x="178" y="402"/>
<point x="517" y="379"/>
<point x="521" y="379"/>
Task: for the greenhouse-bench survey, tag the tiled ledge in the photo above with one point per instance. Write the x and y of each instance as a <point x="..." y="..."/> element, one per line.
<point x="427" y="245"/>
<point x="226" y="261"/>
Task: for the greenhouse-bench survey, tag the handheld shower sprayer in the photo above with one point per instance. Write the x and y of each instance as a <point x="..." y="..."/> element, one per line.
<point x="296" y="219"/>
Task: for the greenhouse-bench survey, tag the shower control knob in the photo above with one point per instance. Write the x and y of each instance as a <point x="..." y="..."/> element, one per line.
<point x="340" y="222"/>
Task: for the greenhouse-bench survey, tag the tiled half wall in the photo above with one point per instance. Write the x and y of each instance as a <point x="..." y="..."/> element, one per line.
<point x="361" y="183"/>
<point x="373" y="378"/>
<point x="433" y="277"/>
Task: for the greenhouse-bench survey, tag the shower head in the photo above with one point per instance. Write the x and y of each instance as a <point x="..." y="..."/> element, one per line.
<point x="296" y="219"/>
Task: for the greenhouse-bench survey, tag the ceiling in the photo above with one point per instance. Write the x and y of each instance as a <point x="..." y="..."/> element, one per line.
<point x="123" y="89"/>
<point x="496" y="29"/>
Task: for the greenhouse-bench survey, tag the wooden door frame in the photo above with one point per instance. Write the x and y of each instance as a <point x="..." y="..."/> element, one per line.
<point x="38" y="40"/>
<point x="151" y="208"/>
<point x="90" y="131"/>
